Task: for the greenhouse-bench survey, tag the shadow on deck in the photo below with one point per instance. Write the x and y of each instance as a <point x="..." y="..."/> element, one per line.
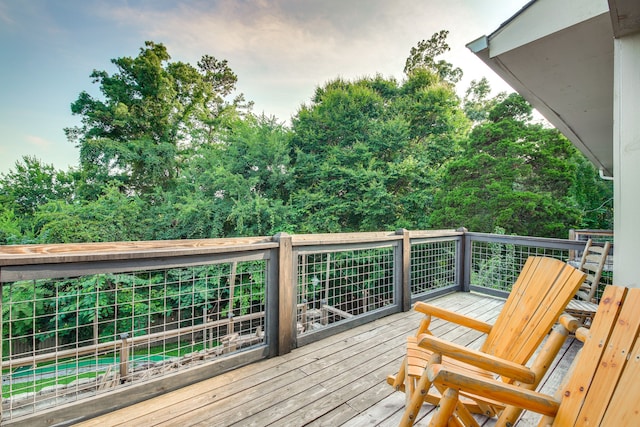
<point x="339" y="380"/>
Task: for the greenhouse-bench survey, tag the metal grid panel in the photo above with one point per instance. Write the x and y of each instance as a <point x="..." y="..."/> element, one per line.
<point x="605" y="280"/>
<point x="65" y="340"/>
<point x="433" y="265"/>
<point x="497" y="265"/>
<point x="599" y="236"/>
<point x="338" y="285"/>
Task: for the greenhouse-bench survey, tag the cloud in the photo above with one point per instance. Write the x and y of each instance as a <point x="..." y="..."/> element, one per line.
<point x="4" y="14"/>
<point x="282" y="49"/>
<point x="38" y="142"/>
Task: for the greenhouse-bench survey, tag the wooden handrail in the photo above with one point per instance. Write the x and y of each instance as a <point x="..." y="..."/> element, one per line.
<point x="109" y="251"/>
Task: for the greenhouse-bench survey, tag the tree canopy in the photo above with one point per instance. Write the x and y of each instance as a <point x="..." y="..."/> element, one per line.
<point x="513" y="175"/>
<point x="168" y="150"/>
<point x="152" y="114"/>
<point x="367" y="153"/>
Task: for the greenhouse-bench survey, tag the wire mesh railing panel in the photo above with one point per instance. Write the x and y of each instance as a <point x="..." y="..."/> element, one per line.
<point x="598" y="236"/>
<point x="337" y="285"/>
<point x="433" y="265"/>
<point x="496" y="265"/>
<point x="68" y="339"/>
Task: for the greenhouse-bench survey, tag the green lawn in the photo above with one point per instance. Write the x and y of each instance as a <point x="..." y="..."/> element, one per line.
<point x="98" y="366"/>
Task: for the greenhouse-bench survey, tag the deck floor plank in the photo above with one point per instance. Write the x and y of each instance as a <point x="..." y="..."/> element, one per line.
<point x="337" y="381"/>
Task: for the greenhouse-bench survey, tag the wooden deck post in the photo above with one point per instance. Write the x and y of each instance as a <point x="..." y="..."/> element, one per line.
<point x="124" y="358"/>
<point x="405" y="276"/>
<point x="463" y="262"/>
<point x="573" y="254"/>
<point x="286" y="294"/>
<point x="1" y="335"/>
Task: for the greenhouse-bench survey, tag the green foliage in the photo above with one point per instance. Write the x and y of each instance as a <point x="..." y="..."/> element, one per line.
<point x="165" y="153"/>
<point x="112" y="304"/>
<point x="593" y="196"/>
<point x="23" y="191"/>
<point x="25" y="309"/>
<point x="423" y="57"/>
<point x="113" y="216"/>
<point x="346" y="279"/>
<point x="368" y="152"/>
<point x="10" y="228"/>
<point x="477" y="104"/>
<point x="496" y="271"/>
<point x="512" y="174"/>
<point x="234" y="188"/>
<point x="151" y="111"/>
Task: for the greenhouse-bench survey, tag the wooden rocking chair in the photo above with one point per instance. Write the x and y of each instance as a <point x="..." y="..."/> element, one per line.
<point x="539" y="296"/>
<point x="584" y="305"/>
<point x="600" y="389"/>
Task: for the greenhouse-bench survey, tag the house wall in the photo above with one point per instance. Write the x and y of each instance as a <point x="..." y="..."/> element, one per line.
<point x="626" y="145"/>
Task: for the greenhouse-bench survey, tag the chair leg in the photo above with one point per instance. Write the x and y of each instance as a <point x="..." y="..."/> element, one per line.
<point x="415" y="401"/>
<point x="397" y="381"/>
<point x="540" y="365"/>
<point x="409" y="383"/>
<point x="418" y="394"/>
<point x="463" y="416"/>
<point x="448" y="405"/>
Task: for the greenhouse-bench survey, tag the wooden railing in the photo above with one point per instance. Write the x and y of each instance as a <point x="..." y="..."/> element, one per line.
<point x="142" y="318"/>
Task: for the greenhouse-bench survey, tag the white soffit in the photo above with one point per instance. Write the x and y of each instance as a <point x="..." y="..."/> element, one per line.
<point x="541" y="18"/>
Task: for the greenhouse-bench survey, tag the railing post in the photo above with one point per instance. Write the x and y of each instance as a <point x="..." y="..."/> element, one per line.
<point x="463" y="261"/>
<point x="124" y="358"/>
<point x="405" y="281"/>
<point x="572" y="236"/>
<point x="1" y="336"/>
<point x="286" y="294"/>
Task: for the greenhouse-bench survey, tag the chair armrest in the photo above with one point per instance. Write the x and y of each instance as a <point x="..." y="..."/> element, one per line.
<point x="492" y="389"/>
<point x="569" y="322"/>
<point x="583" y="334"/>
<point x="452" y="316"/>
<point x="476" y="358"/>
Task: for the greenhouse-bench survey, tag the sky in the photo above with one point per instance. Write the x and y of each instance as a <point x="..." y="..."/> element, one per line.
<point x="281" y="51"/>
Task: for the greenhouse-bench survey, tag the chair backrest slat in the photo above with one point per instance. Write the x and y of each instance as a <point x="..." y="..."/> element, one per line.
<point x="592" y="262"/>
<point x="603" y="388"/>
<point x="542" y="290"/>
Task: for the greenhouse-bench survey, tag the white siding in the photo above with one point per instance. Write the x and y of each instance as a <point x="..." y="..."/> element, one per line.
<point x="626" y="143"/>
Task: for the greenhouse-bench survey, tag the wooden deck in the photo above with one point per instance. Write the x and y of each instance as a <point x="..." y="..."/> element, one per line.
<point x="336" y="381"/>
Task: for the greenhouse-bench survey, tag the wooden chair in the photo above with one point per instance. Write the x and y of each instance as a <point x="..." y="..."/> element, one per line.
<point x="600" y="389"/>
<point x="540" y="294"/>
<point x="584" y="305"/>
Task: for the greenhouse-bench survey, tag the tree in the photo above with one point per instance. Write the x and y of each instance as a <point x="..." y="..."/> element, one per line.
<point x="477" y="104"/>
<point x="513" y="174"/>
<point x="237" y="187"/>
<point x="150" y="112"/>
<point x="114" y="216"/>
<point x="33" y="183"/>
<point x="23" y="190"/>
<point x="367" y="153"/>
<point x="593" y="196"/>
<point x="11" y="231"/>
<point x="423" y="56"/>
<point x="252" y="181"/>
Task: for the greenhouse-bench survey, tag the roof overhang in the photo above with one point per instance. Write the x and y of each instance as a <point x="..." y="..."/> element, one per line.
<point x="559" y="56"/>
